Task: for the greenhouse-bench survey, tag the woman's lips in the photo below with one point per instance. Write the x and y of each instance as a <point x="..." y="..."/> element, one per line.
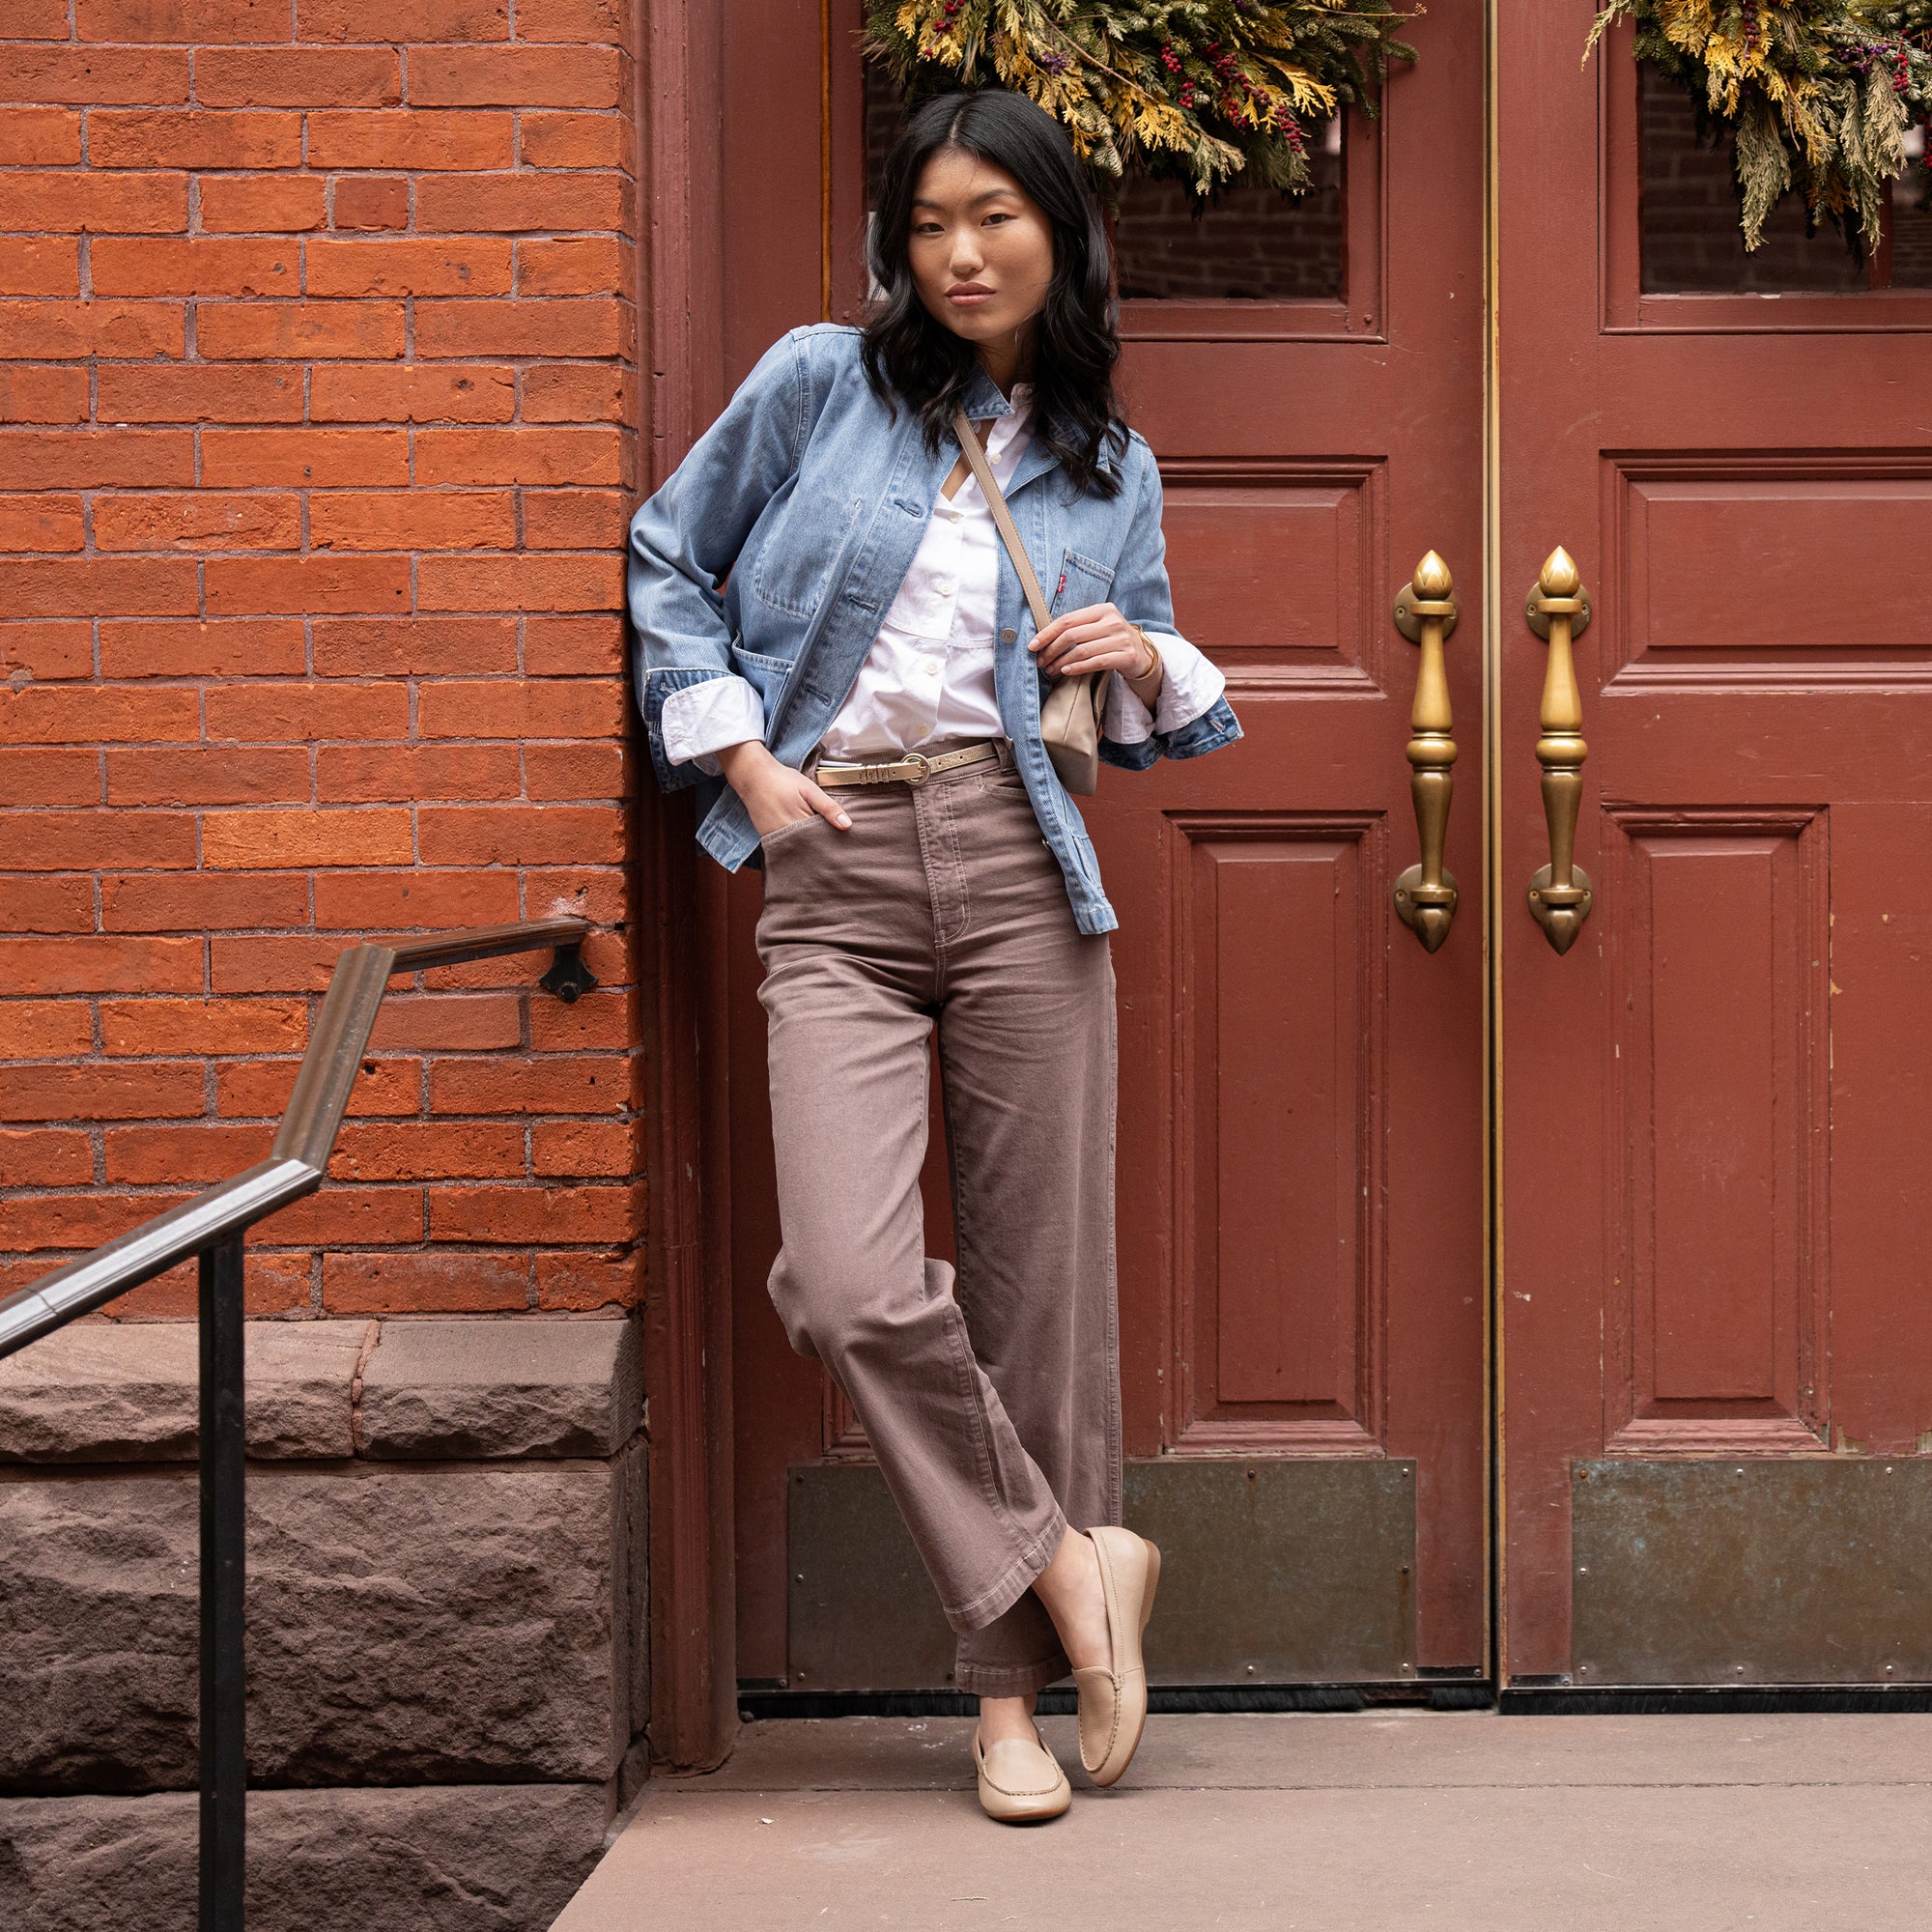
<point x="968" y="298"/>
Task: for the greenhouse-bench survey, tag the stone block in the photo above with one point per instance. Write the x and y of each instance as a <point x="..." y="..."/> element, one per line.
<point x="502" y="1858"/>
<point x="501" y="1389"/>
<point x="441" y="1624"/>
<point x="127" y="1392"/>
<point x="300" y="1378"/>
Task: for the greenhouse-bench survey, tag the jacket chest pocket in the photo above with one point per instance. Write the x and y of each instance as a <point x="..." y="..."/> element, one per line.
<point x="1082" y="582"/>
<point x="795" y="561"/>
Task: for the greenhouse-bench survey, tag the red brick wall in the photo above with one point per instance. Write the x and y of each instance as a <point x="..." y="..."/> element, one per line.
<point x="317" y="379"/>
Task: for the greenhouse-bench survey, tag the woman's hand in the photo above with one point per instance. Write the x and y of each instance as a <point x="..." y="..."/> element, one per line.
<point x="1097" y="637"/>
<point x="774" y="792"/>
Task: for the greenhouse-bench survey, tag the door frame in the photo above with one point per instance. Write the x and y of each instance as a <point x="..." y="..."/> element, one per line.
<point x="677" y="74"/>
<point x="678" y="48"/>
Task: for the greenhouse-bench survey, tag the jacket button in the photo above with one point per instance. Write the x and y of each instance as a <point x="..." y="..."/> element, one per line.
<point x="1008" y="637"/>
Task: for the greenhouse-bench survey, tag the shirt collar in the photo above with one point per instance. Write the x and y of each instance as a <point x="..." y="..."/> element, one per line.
<point x="1017" y="420"/>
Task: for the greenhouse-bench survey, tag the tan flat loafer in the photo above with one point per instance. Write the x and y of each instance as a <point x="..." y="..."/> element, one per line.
<point x="1020" y="1783"/>
<point x="1113" y="1699"/>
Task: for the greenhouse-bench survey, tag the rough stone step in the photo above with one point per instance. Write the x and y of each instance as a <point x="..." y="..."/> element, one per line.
<point x="492" y="1858"/>
<point x="127" y="1392"/>
<point x="404" y="1623"/>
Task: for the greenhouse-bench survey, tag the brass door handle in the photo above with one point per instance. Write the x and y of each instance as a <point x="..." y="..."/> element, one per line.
<point x="1558" y="610"/>
<point x="1425" y="613"/>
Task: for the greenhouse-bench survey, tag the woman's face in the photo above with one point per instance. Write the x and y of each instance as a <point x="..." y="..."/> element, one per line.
<point x="981" y="251"/>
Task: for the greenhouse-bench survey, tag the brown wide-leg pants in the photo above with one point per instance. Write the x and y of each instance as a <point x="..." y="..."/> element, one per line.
<point x="992" y="1401"/>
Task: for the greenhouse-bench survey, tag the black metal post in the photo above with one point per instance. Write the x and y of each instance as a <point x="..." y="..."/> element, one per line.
<point x="224" y="1765"/>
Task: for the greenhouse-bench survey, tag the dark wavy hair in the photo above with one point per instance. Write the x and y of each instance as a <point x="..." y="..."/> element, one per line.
<point x="909" y="354"/>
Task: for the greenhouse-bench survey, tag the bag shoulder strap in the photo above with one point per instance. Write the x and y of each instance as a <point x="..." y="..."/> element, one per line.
<point x="1003" y="518"/>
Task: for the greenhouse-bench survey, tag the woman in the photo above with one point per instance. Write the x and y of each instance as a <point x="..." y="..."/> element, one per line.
<point x="859" y="707"/>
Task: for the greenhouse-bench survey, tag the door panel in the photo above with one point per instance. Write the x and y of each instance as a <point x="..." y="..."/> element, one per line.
<point x="1237" y="532"/>
<point x="1713" y="1108"/>
<point x="1300" y="1149"/>
<point x="1281" y="1309"/>
<point x="1713" y="942"/>
<point x="1815" y="610"/>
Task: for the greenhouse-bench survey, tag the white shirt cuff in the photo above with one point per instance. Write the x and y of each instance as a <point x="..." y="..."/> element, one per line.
<point x="1189" y="685"/>
<point x="704" y="718"/>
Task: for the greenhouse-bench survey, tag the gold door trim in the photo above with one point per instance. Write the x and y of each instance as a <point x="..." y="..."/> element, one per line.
<point x="1495" y="1451"/>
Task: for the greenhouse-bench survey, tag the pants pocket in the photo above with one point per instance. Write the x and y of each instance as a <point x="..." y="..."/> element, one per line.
<point x="780" y="833"/>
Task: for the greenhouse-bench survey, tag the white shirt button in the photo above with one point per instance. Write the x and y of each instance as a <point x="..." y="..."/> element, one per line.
<point x="930" y="667"/>
<point x="944" y="586"/>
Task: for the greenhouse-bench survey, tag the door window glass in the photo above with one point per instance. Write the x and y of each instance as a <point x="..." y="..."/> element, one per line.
<point x="1691" y="242"/>
<point x="1912" y="219"/>
<point x="1248" y="244"/>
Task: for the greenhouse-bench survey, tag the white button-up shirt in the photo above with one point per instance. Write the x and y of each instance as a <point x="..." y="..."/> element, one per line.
<point x="928" y="677"/>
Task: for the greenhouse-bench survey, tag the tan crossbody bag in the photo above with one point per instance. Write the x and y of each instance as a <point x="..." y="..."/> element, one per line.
<point x="1069" y="716"/>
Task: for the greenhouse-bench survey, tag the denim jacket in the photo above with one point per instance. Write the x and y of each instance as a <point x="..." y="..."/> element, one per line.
<point x="778" y="544"/>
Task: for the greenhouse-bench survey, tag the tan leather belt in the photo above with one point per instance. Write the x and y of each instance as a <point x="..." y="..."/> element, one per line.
<point x="915" y="768"/>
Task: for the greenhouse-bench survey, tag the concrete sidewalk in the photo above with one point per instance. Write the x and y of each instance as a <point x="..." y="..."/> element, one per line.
<point x="1379" y="1821"/>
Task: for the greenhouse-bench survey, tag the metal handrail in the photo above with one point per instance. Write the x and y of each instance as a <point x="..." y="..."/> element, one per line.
<point x="214" y="1228"/>
<point x="300" y="1158"/>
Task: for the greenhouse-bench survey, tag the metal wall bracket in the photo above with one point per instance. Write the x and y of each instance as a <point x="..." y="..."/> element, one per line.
<point x="568" y="976"/>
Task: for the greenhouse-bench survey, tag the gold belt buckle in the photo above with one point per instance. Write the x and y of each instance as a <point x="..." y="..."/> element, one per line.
<point x="924" y="763"/>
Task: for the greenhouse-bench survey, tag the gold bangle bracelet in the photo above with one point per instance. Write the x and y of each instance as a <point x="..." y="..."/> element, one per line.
<point x="1153" y="657"/>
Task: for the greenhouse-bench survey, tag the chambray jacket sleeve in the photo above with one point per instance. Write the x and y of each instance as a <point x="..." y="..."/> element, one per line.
<point x="684" y="539"/>
<point x="1143" y="596"/>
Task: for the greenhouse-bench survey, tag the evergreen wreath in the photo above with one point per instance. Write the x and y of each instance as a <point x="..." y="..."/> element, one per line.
<point x="1203" y="91"/>
<point x="1819" y="92"/>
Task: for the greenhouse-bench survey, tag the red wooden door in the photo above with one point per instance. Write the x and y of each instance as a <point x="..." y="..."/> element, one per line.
<point x="1300" y="1154"/>
<point x="1715" y="1343"/>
